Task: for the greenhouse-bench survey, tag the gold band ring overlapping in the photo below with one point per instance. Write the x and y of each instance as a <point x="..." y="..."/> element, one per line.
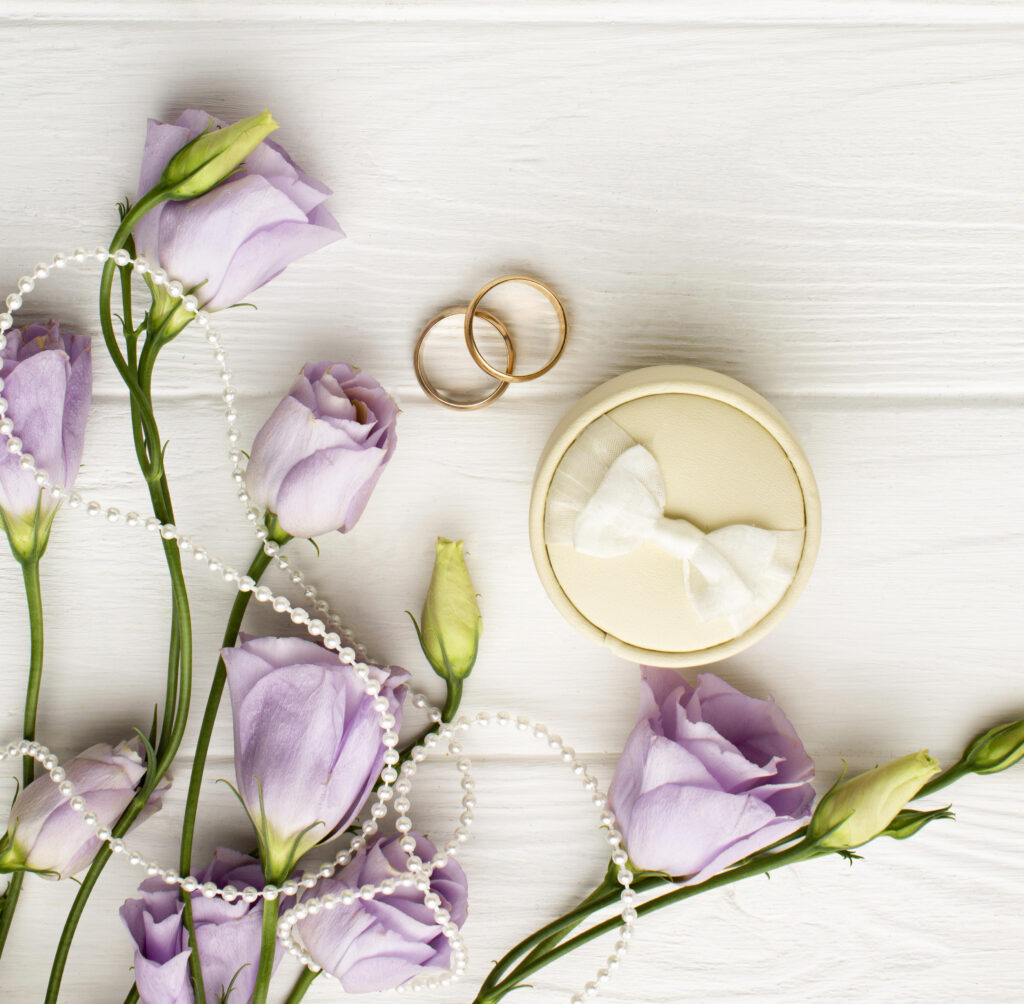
<point x="508" y="376"/>
<point x="431" y="391"/>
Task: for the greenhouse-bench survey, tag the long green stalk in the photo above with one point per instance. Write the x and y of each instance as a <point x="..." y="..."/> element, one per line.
<point x="268" y="945"/>
<point x="606" y="894"/>
<point x="302" y="984"/>
<point x="147" y="433"/>
<point x="759" y="865"/>
<point x="33" y="595"/>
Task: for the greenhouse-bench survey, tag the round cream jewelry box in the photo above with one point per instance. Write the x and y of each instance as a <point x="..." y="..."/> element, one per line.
<point x="674" y="517"/>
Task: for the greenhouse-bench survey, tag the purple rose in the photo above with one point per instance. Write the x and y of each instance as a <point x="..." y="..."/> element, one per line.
<point x="242" y="233"/>
<point x="308" y="743"/>
<point x="707" y="777"/>
<point x="46" y="835"/>
<point x="228" y="935"/>
<point x="382" y="943"/>
<point x="47" y="380"/>
<point x="316" y="460"/>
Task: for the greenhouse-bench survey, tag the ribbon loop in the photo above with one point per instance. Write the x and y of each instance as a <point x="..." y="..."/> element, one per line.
<point x="608" y="497"/>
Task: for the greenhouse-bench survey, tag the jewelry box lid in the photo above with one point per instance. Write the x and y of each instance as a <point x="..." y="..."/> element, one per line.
<point x="674" y="517"/>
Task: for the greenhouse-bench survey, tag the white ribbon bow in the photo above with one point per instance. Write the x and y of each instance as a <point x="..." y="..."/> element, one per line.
<point x="739" y="571"/>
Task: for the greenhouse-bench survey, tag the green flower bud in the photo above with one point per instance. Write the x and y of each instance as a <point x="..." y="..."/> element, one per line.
<point x="996" y="749"/>
<point x="450" y="624"/>
<point x="856" y="811"/>
<point x="210" y="158"/>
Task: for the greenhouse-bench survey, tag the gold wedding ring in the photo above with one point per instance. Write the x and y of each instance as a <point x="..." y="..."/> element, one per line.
<point x="508" y="376"/>
<point x="431" y="391"/>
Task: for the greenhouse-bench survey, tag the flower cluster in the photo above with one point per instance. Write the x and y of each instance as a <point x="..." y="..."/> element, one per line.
<point x="713" y="785"/>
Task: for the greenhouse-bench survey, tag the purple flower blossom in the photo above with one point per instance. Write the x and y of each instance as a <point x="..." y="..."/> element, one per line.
<point x="318" y="457"/>
<point x="46" y="835"/>
<point x="227" y="243"/>
<point x="308" y="743"/>
<point x="382" y="943"/>
<point x="228" y="935"/>
<point x="708" y="776"/>
<point x="47" y="378"/>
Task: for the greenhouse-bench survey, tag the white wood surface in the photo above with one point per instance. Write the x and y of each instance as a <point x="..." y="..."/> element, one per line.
<point x="825" y="200"/>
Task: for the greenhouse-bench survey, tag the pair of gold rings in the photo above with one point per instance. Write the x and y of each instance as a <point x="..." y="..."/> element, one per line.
<point x="506" y="377"/>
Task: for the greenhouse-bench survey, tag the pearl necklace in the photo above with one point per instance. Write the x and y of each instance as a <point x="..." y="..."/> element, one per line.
<point x="395" y="785"/>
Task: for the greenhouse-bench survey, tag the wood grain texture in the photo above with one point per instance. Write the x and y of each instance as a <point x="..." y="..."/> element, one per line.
<point x="823" y="200"/>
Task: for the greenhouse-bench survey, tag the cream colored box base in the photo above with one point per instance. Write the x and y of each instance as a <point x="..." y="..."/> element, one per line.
<point x="726" y="456"/>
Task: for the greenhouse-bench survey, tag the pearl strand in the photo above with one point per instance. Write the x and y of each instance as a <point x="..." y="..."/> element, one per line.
<point x="314" y="626"/>
<point x="342" y="641"/>
<point x="447" y="734"/>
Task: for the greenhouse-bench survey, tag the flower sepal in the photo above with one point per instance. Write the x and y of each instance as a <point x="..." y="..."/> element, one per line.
<point x="28" y="537"/>
<point x="910" y="821"/>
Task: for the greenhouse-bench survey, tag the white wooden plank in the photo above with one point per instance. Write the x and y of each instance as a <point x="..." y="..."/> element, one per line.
<point x="738" y="13"/>
<point x="918" y="577"/>
<point x="828" y="212"/>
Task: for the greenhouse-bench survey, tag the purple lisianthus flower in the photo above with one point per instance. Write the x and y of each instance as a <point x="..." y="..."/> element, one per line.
<point x="318" y="457"/>
<point x="228" y="935"/>
<point x="708" y="776"/>
<point x="227" y="243"/>
<point x="46" y="835"/>
<point x="47" y="375"/>
<point x="381" y="943"/>
<point x="308" y="743"/>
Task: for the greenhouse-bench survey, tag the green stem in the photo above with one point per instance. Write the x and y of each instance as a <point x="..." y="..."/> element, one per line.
<point x="760" y="865"/>
<point x="268" y="945"/>
<point x="30" y="573"/>
<point x="152" y="778"/>
<point x="259" y="565"/>
<point x="171" y="695"/>
<point x="11" y="895"/>
<point x="943" y="780"/>
<point x="132" y="996"/>
<point x="302" y="984"/>
<point x="453" y="699"/>
<point x="604" y="895"/>
<point x="142" y="416"/>
<point x="121" y="238"/>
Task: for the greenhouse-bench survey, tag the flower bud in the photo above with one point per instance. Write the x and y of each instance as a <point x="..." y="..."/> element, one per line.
<point x="211" y="157"/>
<point x="47" y="380"/>
<point x="996" y="749"/>
<point x="46" y="835"/>
<point x="450" y="623"/>
<point x="856" y="811"/>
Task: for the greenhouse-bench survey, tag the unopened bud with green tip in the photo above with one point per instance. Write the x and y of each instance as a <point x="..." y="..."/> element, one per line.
<point x="450" y="624"/>
<point x="855" y="811"/>
<point x="995" y="750"/>
<point x="213" y="156"/>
